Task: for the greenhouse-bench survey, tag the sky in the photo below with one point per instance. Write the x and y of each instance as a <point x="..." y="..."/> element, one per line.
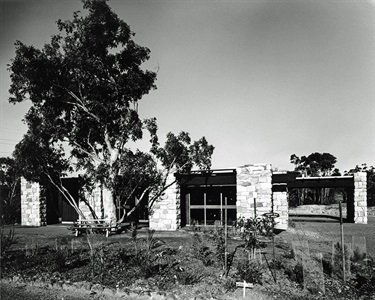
<point x="261" y="80"/>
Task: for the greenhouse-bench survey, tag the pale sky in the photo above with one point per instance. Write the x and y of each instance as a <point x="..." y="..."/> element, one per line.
<point x="261" y="80"/>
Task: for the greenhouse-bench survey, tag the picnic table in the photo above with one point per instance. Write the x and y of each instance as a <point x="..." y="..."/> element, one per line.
<point x="101" y="225"/>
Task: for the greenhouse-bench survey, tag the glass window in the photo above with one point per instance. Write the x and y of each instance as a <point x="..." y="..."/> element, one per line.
<point x="196" y="196"/>
<point x="197" y="216"/>
<point x="212" y="215"/>
<point x="232" y="216"/>
<point x="212" y="196"/>
<point x="206" y="207"/>
<point x="229" y="192"/>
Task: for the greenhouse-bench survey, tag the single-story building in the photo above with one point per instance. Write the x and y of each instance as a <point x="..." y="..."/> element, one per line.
<point x="207" y="198"/>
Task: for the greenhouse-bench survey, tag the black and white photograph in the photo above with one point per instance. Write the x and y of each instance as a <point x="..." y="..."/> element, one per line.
<point x="187" y="150"/>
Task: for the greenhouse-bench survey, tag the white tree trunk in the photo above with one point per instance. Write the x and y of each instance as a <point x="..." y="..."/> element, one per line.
<point x="109" y="205"/>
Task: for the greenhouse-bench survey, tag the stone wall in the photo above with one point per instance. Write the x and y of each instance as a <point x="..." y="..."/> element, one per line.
<point x="33" y="204"/>
<point x="360" y="198"/>
<point x="280" y="206"/>
<point x="254" y="188"/>
<point x="94" y="199"/>
<point x="166" y="212"/>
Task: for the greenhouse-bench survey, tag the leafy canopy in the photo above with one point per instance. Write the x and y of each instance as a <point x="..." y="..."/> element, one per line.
<point x="84" y="86"/>
<point x="316" y="164"/>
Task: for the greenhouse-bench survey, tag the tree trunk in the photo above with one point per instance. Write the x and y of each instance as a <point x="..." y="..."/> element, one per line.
<point x="109" y="205"/>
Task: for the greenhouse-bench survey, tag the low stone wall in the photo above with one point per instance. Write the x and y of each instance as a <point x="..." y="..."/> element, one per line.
<point x="316" y="209"/>
<point x="166" y="213"/>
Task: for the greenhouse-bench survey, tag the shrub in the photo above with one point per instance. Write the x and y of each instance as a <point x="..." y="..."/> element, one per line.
<point x="7" y="240"/>
<point x="229" y="284"/>
<point x="96" y="244"/>
<point x="187" y="277"/>
<point x="201" y="251"/>
<point x="295" y="273"/>
<point x="32" y="247"/>
<point x="337" y="267"/>
<point x="218" y="241"/>
<point x="250" y="271"/>
<point x="59" y="259"/>
<point x="252" y="228"/>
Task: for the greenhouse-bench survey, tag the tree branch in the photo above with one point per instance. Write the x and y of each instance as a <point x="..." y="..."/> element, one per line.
<point x="80" y="103"/>
<point x="93" y="156"/>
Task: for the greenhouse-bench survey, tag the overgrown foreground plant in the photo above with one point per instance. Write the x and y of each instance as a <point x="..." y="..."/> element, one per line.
<point x="251" y="229"/>
<point x="360" y="270"/>
<point x="96" y="244"/>
<point x="152" y="260"/>
<point x="7" y="240"/>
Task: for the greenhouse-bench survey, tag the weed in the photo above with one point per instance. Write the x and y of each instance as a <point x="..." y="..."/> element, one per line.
<point x="96" y="245"/>
<point x="201" y="251"/>
<point x="276" y="264"/>
<point x="337" y="267"/>
<point x="7" y="240"/>
<point x="289" y="254"/>
<point x="252" y="228"/>
<point x="32" y="248"/>
<point x="250" y="271"/>
<point x="134" y="232"/>
<point x="151" y="242"/>
<point x="58" y="260"/>
<point x="218" y="241"/>
<point x="295" y="273"/>
<point x="188" y="278"/>
<point x="229" y="284"/>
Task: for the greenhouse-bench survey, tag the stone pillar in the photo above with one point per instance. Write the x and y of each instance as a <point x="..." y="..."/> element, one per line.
<point x="280" y="206"/>
<point x="360" y="198"/>
<point x="95" y="200"/>
<point x="32" y="209"/>
<point x="166" y="212"/>
<point x="254" y="182"/>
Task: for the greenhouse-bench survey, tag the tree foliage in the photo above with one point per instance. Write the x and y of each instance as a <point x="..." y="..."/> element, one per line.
<point x="316" y="164"/>
<point x="84" y="87"/>
<point x="10" y="192"/>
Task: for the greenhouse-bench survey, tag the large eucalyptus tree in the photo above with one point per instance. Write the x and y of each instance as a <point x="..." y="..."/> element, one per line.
<point x="84" y="87"/>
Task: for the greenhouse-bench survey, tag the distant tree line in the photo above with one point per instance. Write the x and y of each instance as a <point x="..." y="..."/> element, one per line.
<point x="323" y="164"/>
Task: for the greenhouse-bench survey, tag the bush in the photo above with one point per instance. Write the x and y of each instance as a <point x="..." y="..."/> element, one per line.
<point x="201" y="251"/>
<point x="7" y="240"/>
<point x="58" y="260"/>
<point x="250" y="271"/>
<point x="252" y="228"/>
<point x="218" y="241"/>
<point x="229" y="284"/>
<point x="295" y="273"/>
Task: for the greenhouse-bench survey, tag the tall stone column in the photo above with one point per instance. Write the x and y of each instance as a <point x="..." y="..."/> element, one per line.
<point x="95" y="199"/>
<point x="166" y="212"/>
<point x="280" y="206"/>
<point x="360" y="198"/>
<point x="254" y="188"/>
<point x="32" y="208"/>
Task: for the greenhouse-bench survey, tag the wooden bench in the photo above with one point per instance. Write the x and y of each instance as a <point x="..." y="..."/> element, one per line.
<point x="100" y="225"/>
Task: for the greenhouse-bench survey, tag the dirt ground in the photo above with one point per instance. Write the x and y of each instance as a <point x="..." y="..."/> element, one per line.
<point x="319" y="234"/>
<point x="22" y="292"/>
